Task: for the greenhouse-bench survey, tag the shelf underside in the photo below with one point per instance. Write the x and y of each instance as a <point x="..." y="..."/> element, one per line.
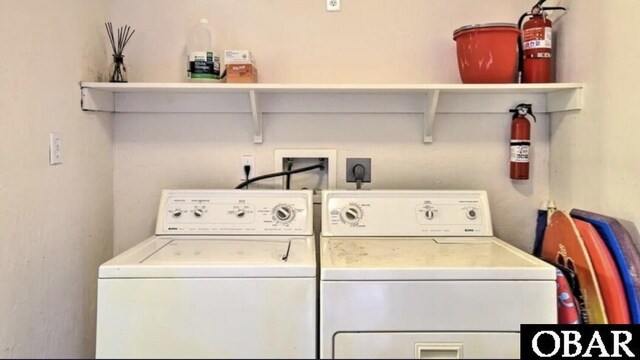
<point x="258" y="99"/>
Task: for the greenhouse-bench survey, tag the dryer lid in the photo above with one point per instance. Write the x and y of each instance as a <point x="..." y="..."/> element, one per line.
<point x="446" y="258"/>
<point x="227" y="257"/>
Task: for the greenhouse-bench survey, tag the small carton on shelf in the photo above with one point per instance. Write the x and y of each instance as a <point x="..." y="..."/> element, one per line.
<point x="242" y="73"/>
<point x="238" y="57"/>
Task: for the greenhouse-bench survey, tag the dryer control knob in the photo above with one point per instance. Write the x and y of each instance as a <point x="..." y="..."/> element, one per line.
<point x="240" y="213"/>
<point x="429" y="214"/>
<point x="471" y="214"/>
<point x="283" y="212"/>
<point x="197" y="213"/>
<point x="351" y="214"/>
<point x="177" y="213"/>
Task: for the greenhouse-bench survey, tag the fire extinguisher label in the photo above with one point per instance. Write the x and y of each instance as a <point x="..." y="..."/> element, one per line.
<point x="537" y="38"/>
<point x="520" y="151"/>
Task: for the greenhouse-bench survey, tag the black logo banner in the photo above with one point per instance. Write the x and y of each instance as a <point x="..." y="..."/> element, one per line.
<point x="579" y="341"/>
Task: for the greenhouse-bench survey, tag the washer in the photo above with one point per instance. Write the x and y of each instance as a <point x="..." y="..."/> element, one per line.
<point x="229" y="274"/>
<point x="419" y="274"/>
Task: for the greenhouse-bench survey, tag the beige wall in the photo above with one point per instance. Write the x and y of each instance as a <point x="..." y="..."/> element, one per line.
<point x="594" y="154"/>
<point x="298" y="41"/>
<point x="56" y="221"/>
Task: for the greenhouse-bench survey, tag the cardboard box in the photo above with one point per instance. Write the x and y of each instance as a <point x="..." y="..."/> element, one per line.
<point x="242" y="73"/>
<point x="237" y="57"/>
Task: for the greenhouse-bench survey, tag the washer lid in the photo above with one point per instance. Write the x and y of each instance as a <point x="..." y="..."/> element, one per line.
<point x="445" y="258"/>
<point x="203" y="257"/>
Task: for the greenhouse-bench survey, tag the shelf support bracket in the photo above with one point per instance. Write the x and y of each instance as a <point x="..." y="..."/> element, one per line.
<point x="565" y="100"/>
<point x="256" y="113"/>
<point x="97" y="100"/>
<point x="430" y="109"/>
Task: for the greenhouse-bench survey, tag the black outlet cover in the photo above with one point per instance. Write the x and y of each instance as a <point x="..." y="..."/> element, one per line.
<point x="366" y="162"/>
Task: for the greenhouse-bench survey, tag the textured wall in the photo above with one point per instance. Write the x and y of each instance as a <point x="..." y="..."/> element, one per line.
<point x="56" y="221"/>
<point x="298" y="41"/>
<point x="594" y="162"/>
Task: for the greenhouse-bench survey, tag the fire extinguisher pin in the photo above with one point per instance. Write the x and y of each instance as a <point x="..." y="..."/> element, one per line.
<point x="523" y="110"/>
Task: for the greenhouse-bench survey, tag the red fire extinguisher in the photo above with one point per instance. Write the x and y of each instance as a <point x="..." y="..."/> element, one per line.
<point x="520" y="141"/>
<point x="536" y="44"/>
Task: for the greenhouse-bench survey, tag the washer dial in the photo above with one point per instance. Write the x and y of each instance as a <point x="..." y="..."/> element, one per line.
<point x="283" y="213"/>
<point x="429" y="214"/>
<point x="472" y="214"/>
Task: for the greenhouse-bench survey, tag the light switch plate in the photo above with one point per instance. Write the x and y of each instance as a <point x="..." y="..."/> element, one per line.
<point x="55" y="149"/>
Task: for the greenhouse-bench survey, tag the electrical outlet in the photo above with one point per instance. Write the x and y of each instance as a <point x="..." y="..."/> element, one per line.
<point x="55" y="149"/>
<point x="247" y="160"/>
<point x="314" y="179"/>
<point x="333" y="5"/>
<point x="352" y="162"/>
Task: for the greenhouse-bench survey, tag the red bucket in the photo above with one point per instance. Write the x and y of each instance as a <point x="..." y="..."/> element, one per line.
<point x="487" y="53"/>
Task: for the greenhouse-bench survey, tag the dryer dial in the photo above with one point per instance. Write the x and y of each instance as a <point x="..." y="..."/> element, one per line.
<point x="351" y="214"/>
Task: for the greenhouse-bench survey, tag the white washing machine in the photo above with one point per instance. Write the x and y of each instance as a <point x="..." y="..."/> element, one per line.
<point x="418" y="274"/>
<point x="229" y="274"/>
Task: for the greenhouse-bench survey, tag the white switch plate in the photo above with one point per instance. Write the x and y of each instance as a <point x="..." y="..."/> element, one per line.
<point x="55" y="149"/>
<point x="333" y="5"/>
<point x="247" y="160"/>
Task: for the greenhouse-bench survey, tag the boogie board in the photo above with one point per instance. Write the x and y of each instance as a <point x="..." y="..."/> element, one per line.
<point x="574" y="284"/>
<point x="611" y="288"/>
<point x="624" y="253"/>
<point x="568" y="310"/>
<point x="541" y="224"/>
<point x="563" y="245"/>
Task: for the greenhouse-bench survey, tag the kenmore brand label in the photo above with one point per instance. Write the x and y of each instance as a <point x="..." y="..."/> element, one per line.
<point x="579" y="341"/>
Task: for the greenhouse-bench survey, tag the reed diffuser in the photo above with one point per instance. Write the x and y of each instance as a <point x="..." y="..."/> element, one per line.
<point x="117" y="70"/>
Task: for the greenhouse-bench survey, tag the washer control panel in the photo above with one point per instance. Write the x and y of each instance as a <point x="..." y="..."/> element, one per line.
<point x="219" y="212"/>
<point x="407" y="213"/>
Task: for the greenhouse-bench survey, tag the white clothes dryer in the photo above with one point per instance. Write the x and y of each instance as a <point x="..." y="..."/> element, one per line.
<point x="229" y="274"/>
<point x="419" y="274"/>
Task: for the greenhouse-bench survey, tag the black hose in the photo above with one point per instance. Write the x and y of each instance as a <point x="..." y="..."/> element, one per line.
<point x="282" y="173"/>
<point x="520" y="49"/>
<point x="289" y="166"/>
<point x="539" y="4"/>
<point x="555" y="8"/>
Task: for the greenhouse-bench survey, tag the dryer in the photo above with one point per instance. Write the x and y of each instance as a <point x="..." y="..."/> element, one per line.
<point x="419" y="274"/>
<point x="229" y="274"/>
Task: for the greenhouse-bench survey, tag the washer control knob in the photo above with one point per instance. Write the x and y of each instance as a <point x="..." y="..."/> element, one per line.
<point x="429" y="214"/>
<point x="471" y="214"/>
<point x="351" y="214"/>
<point x="283" y="212"/>
<point x="197" y="213"/>
<point x="240" y="213"/>
<point x="177" y="213"/>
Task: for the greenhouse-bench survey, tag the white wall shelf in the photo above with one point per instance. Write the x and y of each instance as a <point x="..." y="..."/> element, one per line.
<point x="259" y="99"/>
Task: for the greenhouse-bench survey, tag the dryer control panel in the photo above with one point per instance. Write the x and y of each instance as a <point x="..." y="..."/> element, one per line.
<point x="406" y="213"/>
<point x="222" y="212"/>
